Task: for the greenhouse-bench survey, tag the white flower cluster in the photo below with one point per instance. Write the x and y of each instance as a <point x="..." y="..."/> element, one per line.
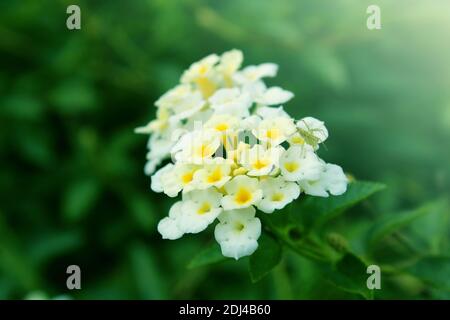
<point x="233" y="149"/>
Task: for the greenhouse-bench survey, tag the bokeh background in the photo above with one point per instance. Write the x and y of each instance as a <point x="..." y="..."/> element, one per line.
<point x="72" y="188"/>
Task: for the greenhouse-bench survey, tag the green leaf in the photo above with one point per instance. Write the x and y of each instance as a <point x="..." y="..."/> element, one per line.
<point x="434" y="270"/>
<point x="146" y="272"/>
<point x="209" y="255"/>
<point x="295" y="237"/>
<point x="74" y="96"/>
<point x="315" y="210"/>
<point x="265" y="258"/>
<point x="142" y="210"/>
<point x="22" y="106"/>
<point x="396" y="221"/>
<point x="431" y="232"/>
<point x="53" y="244"/>
<point x="350" y="275"/>
<point x="14" y="264"/>
<point x="79" y="199"/>
<point x="36" y="146"/>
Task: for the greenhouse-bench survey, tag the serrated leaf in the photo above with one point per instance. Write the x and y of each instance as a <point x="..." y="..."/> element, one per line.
<point x="208" y="255"/>
<point x="315" y="210"/>
<point x="265" y="258"/>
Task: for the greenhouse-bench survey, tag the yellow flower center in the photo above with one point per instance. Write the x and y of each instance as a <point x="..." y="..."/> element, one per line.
<point x="239" y="171"/>
<point x="215" y="176"/>
<point x="204" y="151"/>
<point x="243" y="196"/>
<point x="202" y="69"/>
<point x="297" y="140"/>
<point x="206" y="86"/>
<point x="273" y="133"/>
<point x="222" y="126"/>
<point x="204" y="208"/>
<point x="259" y="164"/>
<point x="187" y="177"/>
<point x="291" y="166"/>
<point x="277" y="197"/>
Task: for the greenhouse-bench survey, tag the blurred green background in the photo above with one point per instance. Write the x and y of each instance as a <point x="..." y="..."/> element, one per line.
<point x="72" y="188"/>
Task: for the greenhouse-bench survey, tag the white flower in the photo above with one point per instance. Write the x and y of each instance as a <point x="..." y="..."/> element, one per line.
<point x="239" y="153"/>
<point x="227" y="141"/>
<point x="180" y="177"/>
<point x="242" y="192"/>
<point x="255" y="73"/>
<point x="274" y="95"/>
<point x="230" y="62"/>
<point x="222" y="122"/>
<point x="197" y="145"/>
<point x="156" y="182"/>
<point x="168" y="226"/>
<point x="332" y="180"/>
<point x="186" y="108"/>
<point x="161" y="141"/>
<point x="231" y="101"/>
<point x="313" y="127"/>
<point x="147" y="129"/>
<point x="271" y="112"/>
<point x="203" y="75"/>
<point x="238" y="232"/>
<point x="299" y="163"/>
<point x="195" y="122"/>
<point x="175" y="105"/>
<point x="260" y="161"/>
<point x="160" y="125"/>
<point x="254" y="89"/>
<point x="296" y="140"/>
<point x="199" y="209"/>
<point x="159" y="147"/>
<point x="174" y="96"/>
<point x="250" y="123"/>
<point x="213" y="174"/>
<point x="277" y="193"/>
<point x="200" y="69"/>
<point x="150" y="166"/>
<point x="274" y="131"/>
